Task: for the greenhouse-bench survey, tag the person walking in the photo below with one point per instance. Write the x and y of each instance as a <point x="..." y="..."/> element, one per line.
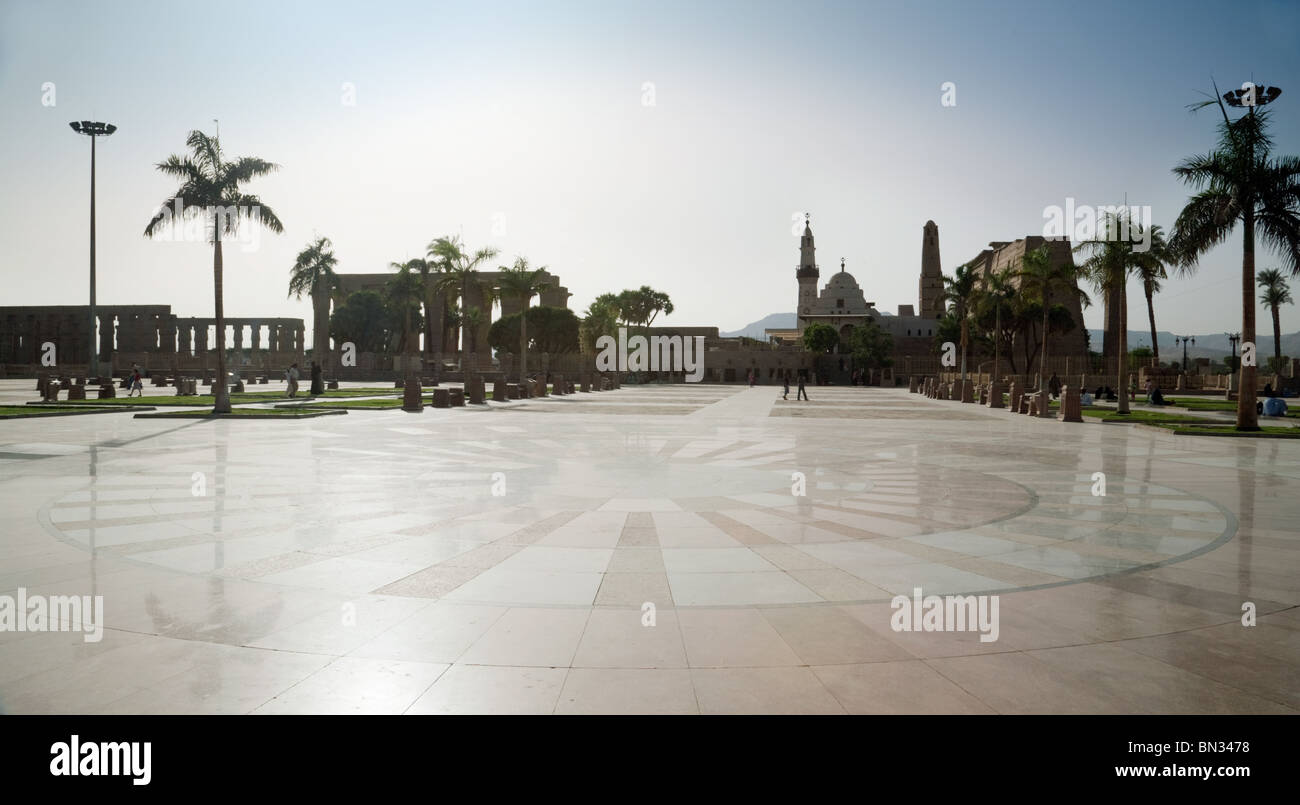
<point x="785" y="392"/>
<point x="137" y="384"/>
<point x="802" y="393"/>
<point x="317" y="381"/>
<point x="291" y="380"/>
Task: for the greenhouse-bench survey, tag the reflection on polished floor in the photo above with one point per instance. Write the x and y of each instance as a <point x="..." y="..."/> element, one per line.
<point x="644" y="550"/>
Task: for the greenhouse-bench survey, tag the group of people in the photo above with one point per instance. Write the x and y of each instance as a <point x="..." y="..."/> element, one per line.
<point x="801" y="393"/>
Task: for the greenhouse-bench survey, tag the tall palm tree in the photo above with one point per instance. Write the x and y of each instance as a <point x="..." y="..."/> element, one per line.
<point x="454" y="259"/>
<point x="960" y="290"/>
<point x="524" y="282"/>
<point x="313" y="274"/>
<point x="997" y="289"/>
<point x="1240" y="181"/>
<point x="210" y="190"/>
<point x="405" y="290"/>
<point x="1108" y="267"/>
<point x="1276" y="293"/>
<point x="1151" y="271"/>
<point x="1049" y="280"/>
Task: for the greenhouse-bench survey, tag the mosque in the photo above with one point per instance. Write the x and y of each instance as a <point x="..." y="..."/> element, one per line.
<point x="842" y="304"/>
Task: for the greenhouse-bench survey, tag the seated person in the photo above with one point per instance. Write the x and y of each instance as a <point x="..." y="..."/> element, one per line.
<point x="1110" y="395"/>
<point x="1085" y="398"/>
<point x="1159" y="399"/>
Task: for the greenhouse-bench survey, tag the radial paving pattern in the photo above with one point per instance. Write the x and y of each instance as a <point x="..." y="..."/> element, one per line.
<point x="505" y="559"/>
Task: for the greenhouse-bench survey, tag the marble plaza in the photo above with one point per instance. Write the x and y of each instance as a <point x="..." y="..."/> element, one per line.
<point x="645" y="550"/>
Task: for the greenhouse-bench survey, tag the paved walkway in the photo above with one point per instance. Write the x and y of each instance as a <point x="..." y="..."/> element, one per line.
<point x="647" y="550"/>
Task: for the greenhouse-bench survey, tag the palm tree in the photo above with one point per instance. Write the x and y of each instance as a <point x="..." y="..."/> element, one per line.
<point x="1239" y="181"/>
<point x="1108" y="266"/>
<point x="313" y="274"/>
<point x="1151" y="270"/>
<point x="960" y="290"/>
<point x="453" y="259"/>
<point x="405" y="290"/>
<point x="1276" y="293"/>
<point x="1041" y="276"/>
<point x="997" y="290"/>
<point x="524" y="282"/>
<point x="210" y="189"/>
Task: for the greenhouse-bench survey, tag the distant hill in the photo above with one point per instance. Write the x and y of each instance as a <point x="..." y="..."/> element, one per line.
<point x="1209" y="345"/>
<point x="755" y="329"/>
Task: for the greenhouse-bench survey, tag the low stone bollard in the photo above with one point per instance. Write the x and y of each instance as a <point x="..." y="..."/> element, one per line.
<point x="441" y="398"/>
<point x="995" y="395"/>
<point x="500" y="391"/>
<point x="1016" y="393"/>
<point x="586" y="382"/>
<point x="76" y="392"/>
<point x="561" y="387"/>
<point x="477" y="391"/>
<point x="911" y="384"/>
<point x="107" y="391"/>
<point x="399" y="383"/>
<point x="333" y="384"/>
<point x="456" y="397"/>
<point x="1071" y="407"/>
<point x="262" y="380"/>
<point x="984" y="395"/>
<point x="412" y="402"/>
<point x="238" y="388"/>
<point x="515" y="390"/>
<point x="41" y="380"/>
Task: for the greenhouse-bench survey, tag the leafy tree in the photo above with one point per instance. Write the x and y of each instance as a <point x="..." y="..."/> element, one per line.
<point x="870" y="345"/>
<point x="601" y="318"/>
<point x="453" y="259"/>
<point x="210" y="189"/>
<point x="993" y="300"/>
<point x="820" y="338"/>
<point x="1239" y="181"/>
<point x="405" y="293"/>
<point x="554" y="331"/>
<point x="363" y="319"/>
<point x="643" y="305"/>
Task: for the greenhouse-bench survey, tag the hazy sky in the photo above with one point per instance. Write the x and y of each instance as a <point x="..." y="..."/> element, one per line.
<point x="528" y="126"/>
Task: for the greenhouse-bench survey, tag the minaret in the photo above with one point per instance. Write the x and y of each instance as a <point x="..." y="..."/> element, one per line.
<point x="807" y="274"/>
<point x="930" y="304"/>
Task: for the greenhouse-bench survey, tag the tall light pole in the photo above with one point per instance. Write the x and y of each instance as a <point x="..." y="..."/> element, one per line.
<point x="92" y="129"/>
<point x="1233" y="338"/>
<point x="1185" y="339"/>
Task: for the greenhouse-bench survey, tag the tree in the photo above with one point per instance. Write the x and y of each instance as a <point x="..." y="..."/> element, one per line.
<point x="959" y="290"/>
<point x="525" y="283"/>
<point x="870" y="345"/>
<point x="820" y="338"/>
<point x="995" y="294"/>
<point x="210" y="190"/>
<point x="405" y="291"/>
<point x="363" y="319"/>
<point x="313" y="274"/>
<point x="1276" y="293"/>
<point x="1040" y="276"/>
<point x="643" y="305"/>
<point x="454" y="259"/>
<point x="1108" y="267"/>
<point x="601" y="318"/>
<point x="554" y="331"/>
<point x="1239" y="181"/>
<point x="1152" y="271"/>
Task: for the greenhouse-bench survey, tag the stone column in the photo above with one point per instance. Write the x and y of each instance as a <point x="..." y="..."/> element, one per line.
<point x="1071" y="408"/>
<point x="256" y="327"/>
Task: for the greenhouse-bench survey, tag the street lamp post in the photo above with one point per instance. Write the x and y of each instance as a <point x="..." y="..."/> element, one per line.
<point x="1233" y="338"/>
<point x="1185" y="339"/>
<point x="92" y="129"/>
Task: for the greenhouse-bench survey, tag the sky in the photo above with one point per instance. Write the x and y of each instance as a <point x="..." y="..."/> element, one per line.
<point x="620" y="144"/>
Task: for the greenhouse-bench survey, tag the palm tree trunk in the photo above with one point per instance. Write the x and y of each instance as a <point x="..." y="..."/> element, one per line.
<point x="523" y="341"/>
<point x="1277" y="340"/>
<point x="1151" y="315"/>
<point x="1247" y="418"/>
<point x="997" y="340"/>
<point x="963" y="346"/>
<point x="222" y="391"/>
<point x="1122" y="391"/>
<point x="1044" y="408"/>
